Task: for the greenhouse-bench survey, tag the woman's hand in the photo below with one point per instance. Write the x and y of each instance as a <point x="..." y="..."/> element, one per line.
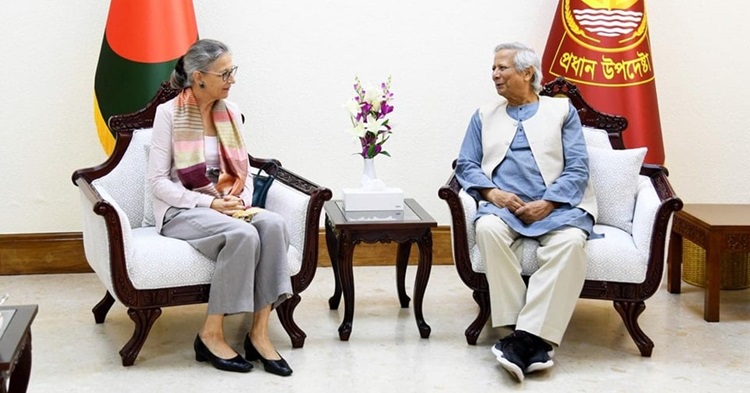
<point x="228" y="205"/>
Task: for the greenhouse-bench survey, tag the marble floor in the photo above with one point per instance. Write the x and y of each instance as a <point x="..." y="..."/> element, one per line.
<point x="385" y="353"/>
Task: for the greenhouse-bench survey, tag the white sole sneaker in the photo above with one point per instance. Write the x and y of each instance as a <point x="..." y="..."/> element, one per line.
<point x="533" y="367"/>
<point x="513" y="369"/>
<point x="539" y="366"/>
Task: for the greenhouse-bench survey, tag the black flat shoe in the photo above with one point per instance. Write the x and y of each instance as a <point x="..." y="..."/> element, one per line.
<point x="236" y="364"/>
<point x="278" y="367"/>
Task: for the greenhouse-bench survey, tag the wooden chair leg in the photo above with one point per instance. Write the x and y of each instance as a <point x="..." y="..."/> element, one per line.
<point x="144" y="319"/>
<point x="285" y="311"/>
<point x="102" y="308"/>
<point x="629" y="311"/>
<point x="472" y="332"/>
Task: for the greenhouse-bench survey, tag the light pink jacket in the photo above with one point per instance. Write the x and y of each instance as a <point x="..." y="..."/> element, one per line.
<point x="162" y="175"/>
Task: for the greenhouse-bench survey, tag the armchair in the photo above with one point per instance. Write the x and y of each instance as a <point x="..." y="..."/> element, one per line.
<point x="146" y="271"/>
<point x="624" y="267"/>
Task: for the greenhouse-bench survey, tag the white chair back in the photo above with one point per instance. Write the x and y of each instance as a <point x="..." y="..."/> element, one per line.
<point x="126" y="183"/>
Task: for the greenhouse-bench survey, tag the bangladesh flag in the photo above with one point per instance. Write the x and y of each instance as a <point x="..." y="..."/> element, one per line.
<point x="142" y="41"/>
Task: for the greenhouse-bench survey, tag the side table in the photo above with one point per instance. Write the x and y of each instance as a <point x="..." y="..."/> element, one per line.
<point x="715" y="228"/>
<point x="344" y="230"/>
<point x="15" y="349"/>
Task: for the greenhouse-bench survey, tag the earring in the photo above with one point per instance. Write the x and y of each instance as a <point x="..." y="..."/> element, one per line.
<point x="201" y="84"/>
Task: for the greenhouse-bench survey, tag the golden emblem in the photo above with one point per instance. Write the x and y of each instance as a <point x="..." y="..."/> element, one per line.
<point x="610" y="4"/>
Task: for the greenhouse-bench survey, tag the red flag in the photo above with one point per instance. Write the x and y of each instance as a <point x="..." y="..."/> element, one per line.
<point x="603" y="47"/>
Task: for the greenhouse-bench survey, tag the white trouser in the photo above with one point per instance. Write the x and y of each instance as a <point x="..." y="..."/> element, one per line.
<point x="544" y="307"/>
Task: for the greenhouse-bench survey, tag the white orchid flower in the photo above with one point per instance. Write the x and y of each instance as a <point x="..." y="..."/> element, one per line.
<point x="373" y="125"/>
<point x="353" y="107"/>
<point x="374" y="96"/>
<point x="358" y="130"/>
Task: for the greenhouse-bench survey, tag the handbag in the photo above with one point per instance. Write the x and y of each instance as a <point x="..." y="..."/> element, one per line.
<point x="262" y="183"/>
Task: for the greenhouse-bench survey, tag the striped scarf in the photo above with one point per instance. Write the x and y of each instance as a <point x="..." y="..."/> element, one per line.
<point x="189" y="155"/>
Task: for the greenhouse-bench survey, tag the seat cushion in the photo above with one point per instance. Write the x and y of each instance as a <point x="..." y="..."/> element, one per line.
<point x="612" y="258"/>
<point x="162" y="262"/>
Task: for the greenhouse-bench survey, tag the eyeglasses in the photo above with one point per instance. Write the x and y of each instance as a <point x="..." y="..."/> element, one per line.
<point x="224" y="75"/>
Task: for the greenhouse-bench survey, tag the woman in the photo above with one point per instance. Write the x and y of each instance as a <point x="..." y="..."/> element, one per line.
<point x="197" y="169"/>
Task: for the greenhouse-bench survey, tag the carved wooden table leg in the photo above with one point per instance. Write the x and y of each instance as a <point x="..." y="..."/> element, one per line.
<point x="20" y="378"/>
<point x="420" y="285"/>
<point x="15" y="348"/>
<point x="332" y="244"/>
<point x="346" y="275"/>
<point x="402" y="261"/>
<point x="713" y="278"/>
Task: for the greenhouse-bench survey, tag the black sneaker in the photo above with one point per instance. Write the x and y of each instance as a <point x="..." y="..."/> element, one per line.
<point x="512" y="353"/>
<point x="541" y="357"/>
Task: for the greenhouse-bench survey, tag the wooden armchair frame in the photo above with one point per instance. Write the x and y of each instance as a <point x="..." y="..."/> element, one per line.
<point x="144" y="306"/>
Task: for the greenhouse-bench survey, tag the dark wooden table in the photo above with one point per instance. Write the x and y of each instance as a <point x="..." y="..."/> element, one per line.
<point x="15" y="349"/>
<point x="715" y="228"/>
<point x="344" y="230"/>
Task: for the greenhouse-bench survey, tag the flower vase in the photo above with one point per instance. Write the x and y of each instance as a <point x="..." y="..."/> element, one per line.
<point x="370" y="181"/>
<point x="368" y="170"/>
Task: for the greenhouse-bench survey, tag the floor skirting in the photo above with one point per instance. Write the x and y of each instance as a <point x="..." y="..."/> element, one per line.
<point x="55" y="253"/>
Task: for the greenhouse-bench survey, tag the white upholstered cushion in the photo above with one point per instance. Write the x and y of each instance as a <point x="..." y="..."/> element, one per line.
<point x="148" y="195"/>
<point x="596" y="137"/>
<point x="95" y="241"/>
<point x="125" y="183"/>
<point x="159" y="261"/>
<point x="291" y="205"/>
<point x="614" y="176"/>
<point x="156" y="261"/>
<point x="612" y="258"/>
<point x="619" y="256"/>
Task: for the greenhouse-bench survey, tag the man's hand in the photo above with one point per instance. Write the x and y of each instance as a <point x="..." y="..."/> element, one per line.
<point x="534" y="211"/>
<point x="504" y="199"/>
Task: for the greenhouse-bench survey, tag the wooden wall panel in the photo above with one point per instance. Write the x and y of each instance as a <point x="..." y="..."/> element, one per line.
<point x="54" y="253"/>
<point x="42" y="253"/>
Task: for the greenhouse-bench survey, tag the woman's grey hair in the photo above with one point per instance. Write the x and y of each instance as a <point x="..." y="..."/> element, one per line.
<point x="199" y="57"/>
<point x="524" y="58"/>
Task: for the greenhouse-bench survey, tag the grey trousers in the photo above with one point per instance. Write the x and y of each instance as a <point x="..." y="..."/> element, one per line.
<point x="252" y="270"/>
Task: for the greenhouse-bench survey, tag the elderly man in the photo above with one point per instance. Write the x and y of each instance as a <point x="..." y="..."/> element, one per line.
<point x="524" y="160"/>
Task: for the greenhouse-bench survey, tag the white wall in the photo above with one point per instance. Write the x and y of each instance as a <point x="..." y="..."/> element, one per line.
<point x="297" y="63"/>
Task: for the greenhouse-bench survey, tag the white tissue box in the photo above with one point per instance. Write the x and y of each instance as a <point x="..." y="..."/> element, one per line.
<point x="357" y="199"/>
<point x="375" y="215"/>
